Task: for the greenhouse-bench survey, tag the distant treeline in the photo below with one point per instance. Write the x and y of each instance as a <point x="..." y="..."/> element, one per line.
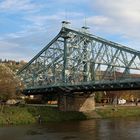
<point x="13" y="64"/>
<point x="5" y="61"/>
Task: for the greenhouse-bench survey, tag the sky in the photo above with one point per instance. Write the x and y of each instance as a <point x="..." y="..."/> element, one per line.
<point x="26" y="26"/>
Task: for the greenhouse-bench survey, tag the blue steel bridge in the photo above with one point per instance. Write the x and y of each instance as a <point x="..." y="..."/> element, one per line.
<point x="77" y="61"/>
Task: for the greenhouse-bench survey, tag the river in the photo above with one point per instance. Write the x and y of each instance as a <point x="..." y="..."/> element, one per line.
<point x="100" y="129"/>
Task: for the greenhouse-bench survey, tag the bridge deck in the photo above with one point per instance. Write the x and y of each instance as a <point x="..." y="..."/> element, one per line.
<point x="85" y="87"/>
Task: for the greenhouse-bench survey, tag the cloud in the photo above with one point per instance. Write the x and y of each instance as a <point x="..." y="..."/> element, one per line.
<point x="40" y="21"/>
<point x="118" y="21"/>
<point x="74" y="1"/>
<point x="18" y="5"/>
<point x="23" y="45"/>
<point x="117" y="17"/>
<point x="98" y="20"/>
<point x="13" y="50"/>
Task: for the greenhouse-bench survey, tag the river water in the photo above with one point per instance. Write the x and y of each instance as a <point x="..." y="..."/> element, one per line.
<point x="100" y="129"/>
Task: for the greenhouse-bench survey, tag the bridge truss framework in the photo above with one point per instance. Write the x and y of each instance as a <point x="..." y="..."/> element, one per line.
<point x="76" y="61"/>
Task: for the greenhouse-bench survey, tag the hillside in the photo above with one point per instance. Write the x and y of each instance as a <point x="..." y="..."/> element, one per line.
<point x="12" y="64"/>
<point x="9" y="82"/>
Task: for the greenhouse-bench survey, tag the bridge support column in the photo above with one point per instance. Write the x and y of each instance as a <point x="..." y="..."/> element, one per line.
<point x="76" y="103"/>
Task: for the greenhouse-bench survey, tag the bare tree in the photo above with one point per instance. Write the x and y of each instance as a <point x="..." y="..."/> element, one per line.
<point x="9" y="83"/>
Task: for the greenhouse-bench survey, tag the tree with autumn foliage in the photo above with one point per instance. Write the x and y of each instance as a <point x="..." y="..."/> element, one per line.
<point x="9" y="83"/>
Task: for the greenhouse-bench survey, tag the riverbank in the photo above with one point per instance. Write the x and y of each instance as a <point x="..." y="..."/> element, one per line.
<point x="118" y="111"/>
<point x="35" y="114"/>
<point x="15" y="115"/>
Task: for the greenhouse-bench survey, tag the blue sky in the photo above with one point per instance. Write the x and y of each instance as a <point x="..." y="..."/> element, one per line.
<point x="26" y="26"/>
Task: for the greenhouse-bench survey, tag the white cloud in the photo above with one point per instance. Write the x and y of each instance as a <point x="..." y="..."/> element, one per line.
<point x="123" y="16"/>
<point x="106" y="17"/>
<point x="38" y="28"/>
<point x="98" y="20"/>
<point x="120" y="17"/>
<point x="41" y="20"/>
<point x="74" y="1"/>
<point x="17" y="5"/>
<point x="12" y="50"/>
<point x="23" y="45"/>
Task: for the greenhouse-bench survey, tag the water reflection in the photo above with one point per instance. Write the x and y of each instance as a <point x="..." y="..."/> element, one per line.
<point x="107" y="129"/>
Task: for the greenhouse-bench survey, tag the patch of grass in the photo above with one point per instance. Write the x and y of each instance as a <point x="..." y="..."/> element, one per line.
<point x="16" y="115"/>
<point x="30" y="114"/>
<point x="49" y="114"/>
<point x="112" y="112"/>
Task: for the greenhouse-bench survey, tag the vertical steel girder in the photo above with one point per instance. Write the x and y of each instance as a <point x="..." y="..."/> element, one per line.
<point x="74" y="57"/>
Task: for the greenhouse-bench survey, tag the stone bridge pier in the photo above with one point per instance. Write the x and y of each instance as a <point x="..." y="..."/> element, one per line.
<point x="81" y="103"/>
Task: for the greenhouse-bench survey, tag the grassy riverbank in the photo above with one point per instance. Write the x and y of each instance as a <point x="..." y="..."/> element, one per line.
<point x="118" y="112"/>
<point x="32" y="114"/>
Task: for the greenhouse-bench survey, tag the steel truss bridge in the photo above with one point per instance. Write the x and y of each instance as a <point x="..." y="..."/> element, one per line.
<point x="77" y="61"/>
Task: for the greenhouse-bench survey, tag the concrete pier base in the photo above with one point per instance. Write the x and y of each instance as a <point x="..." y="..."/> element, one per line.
<point x="76" y="103"/>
